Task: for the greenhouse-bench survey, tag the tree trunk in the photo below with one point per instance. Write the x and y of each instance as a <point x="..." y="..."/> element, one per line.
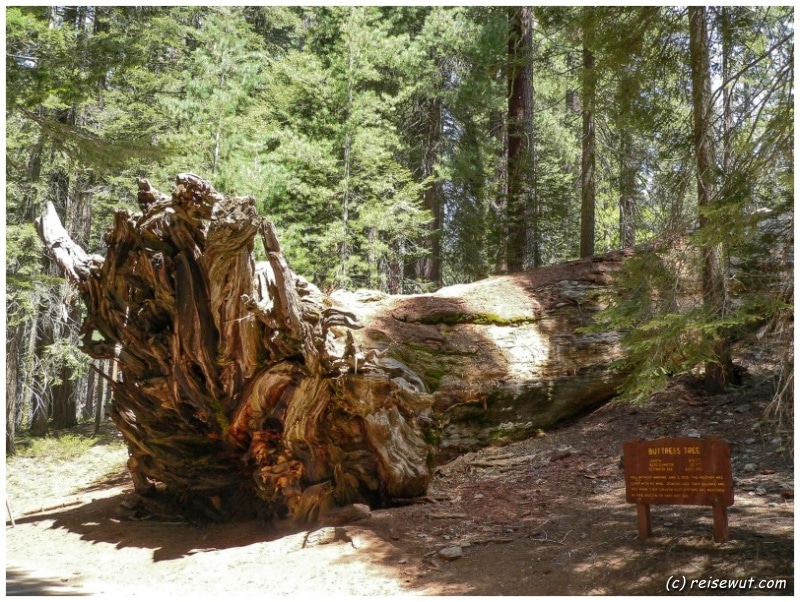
<point x="726" y="34"/>
<point x="13" y="374"/>
<point x="432" y="201"/>
<point x="626" y="94"/>
<point x="627" y="189"/>
<point x="244" y="390"/>
<point x="720" y="370"/>
<point x="347" y="157"/>
<point x="101" y="395"/>
<point x="40" y="401"/>
<point x="64" y="402"/>
<point x="40" y="421"/>
<point x="520" y="98"/>
<point x="26" y="404"/>
<point x="588" y="137"/>
<point x="32" y="175"/>
<point x="534" y="208"/>
<point x="89" y="408"/>
<point x="498" y="233"/>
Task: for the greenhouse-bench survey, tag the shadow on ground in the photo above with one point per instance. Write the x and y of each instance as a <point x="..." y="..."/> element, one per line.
<point x="544" y="516"/>
<point x="20" y="582"/>
<point x="107" y="521"/>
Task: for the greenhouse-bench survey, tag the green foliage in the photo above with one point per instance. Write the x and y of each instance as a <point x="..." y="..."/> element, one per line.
<point x="66" y="448"/>
<point x="210" y="109"/>
<point x="398" y="115"/>
<point x="23" y="272"/>
<point x="331" y="145"/>
<point x="62" y="357"/>
<point x="471" y="173"/>
<point x="666" y="329"/>
<point x="49" y="76"/>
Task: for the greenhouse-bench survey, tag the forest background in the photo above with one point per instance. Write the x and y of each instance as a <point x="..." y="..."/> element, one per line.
<point x="407" y="148"/>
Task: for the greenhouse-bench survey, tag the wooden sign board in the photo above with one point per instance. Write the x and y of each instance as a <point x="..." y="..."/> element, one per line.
<point x="679" y="470"/>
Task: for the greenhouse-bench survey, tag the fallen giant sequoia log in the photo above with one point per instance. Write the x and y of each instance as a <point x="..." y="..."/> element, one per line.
<point x="244" y="390"/>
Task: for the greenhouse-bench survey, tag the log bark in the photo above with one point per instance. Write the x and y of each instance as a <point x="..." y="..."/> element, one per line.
<point x="501" y="358"/>
<point x="246" y="391"/>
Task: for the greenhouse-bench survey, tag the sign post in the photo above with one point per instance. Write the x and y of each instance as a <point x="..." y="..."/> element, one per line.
<point x="679" y="470"/>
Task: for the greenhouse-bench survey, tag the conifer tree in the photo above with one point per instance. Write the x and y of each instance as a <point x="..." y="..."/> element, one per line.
<point x="520" y="140"/>
<point x="588" y="147"/>
<point x="64" y="66"/>
<point x="719" y="369"/>
<point x="392" y="150"/>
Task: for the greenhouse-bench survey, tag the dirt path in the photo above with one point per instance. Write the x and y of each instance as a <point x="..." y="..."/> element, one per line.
<point x="538" y="517"/>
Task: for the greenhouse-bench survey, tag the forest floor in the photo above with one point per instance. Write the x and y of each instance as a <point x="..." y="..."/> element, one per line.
<point x="545" y="516"/>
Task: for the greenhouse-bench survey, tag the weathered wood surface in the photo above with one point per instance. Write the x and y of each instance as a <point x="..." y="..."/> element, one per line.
<point x="244" y="390"/>
<point x="502" y="357"/>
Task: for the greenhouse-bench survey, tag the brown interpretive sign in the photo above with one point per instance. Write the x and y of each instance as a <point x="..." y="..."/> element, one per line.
<point x="679" y="470"/>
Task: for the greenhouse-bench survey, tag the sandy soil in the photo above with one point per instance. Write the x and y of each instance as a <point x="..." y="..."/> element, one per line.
<point x="545" y="516"/>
